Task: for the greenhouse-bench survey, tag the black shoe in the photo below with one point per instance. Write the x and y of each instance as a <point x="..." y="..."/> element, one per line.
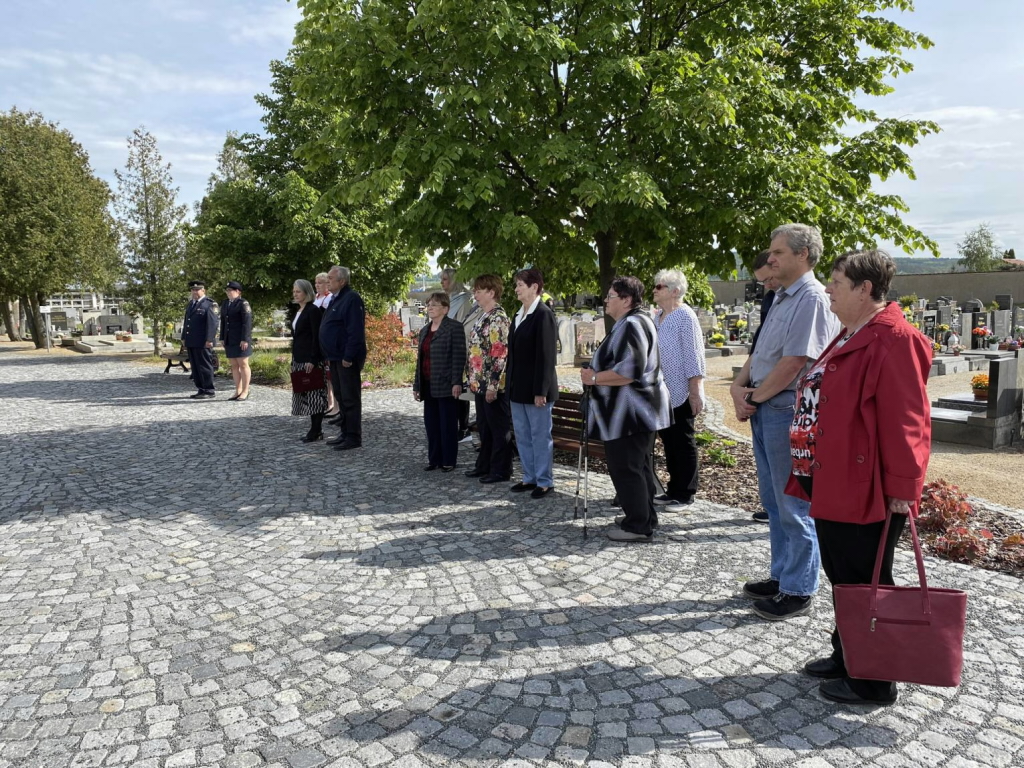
<point x="336" y="420"/>
<point x="348" y="445"/>
<point x="448" y="469"/>
<point x="827" y="669"/>
<point x="489" y="479"/>
<point x="759" y="517"/>
<point x="540" y="493"/>
<point x="664" y="500"/>
<point x="202" y="396"/>
<point x="760" y="589"/>
<point x="841" y="692"/>
<point x="234" y="397"/>
<point x="430" y="467"/>
<point x="476" y="473"/>
<point x="313" y="438"/>
<point x="337" y="440"/>
<point x="520" y="487"/>
<point x="783" y="606"/>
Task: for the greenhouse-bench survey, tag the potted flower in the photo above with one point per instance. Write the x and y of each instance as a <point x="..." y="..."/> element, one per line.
<point x="979" y="386"/>
<point x="717" y="339"/>
<point x="957" y="349"/>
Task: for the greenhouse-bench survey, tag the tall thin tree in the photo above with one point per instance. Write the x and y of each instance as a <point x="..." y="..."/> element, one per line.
<point x="152" y="228"/>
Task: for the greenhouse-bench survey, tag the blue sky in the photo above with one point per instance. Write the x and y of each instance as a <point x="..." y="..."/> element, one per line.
<point x="188" y="71"/>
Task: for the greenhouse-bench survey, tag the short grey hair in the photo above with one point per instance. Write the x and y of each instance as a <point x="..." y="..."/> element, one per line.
<point x="344" y="273"/>
<point x="306" y="288"/>
<point x="673" y="278"/>
<point x="800" y="236"/>
<point x="320" y="276"/>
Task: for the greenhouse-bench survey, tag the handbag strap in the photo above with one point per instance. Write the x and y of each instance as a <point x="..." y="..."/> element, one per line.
<point x="918" y="556"/>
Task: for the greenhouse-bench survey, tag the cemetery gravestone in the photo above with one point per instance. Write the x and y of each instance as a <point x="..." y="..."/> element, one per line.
<point x="111" y="324"/>
<point x="59" y="320"/>
<point x="1005" y="301"/>
<point x="1001" y="323"/>
<point x="929" y="325"/>
<point x="566" y="341"/>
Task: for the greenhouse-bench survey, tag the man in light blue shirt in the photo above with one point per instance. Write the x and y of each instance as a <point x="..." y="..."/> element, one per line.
<point x="796" y="331"/>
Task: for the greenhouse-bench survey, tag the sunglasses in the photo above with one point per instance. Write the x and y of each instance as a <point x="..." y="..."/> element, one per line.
<point x="660" y="287"/>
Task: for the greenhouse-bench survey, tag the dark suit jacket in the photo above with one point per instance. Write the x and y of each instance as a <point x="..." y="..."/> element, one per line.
<point x="532" y="353"/>
<point x="766" y="305"/>
<point x="447" y="358"/>
<point x="235" y="323"/>
<point x="306" y="336"/>
<point x="201" y="323"/>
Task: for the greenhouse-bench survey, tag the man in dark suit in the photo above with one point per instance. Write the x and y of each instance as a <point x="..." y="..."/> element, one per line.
<point x="198" y="336"/>
<point x="343" y="344"/>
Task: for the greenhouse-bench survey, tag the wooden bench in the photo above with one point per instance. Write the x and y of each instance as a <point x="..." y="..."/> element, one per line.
<point x="176" y="358"/>
<point x="566" y="423"/>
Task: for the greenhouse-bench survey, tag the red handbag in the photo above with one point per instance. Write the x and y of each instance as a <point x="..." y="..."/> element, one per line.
<point x="901" y="634"/>
<point x="307" y="382"/>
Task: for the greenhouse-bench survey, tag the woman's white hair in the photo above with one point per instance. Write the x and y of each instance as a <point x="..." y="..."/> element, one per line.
<point x="673" y="278"/>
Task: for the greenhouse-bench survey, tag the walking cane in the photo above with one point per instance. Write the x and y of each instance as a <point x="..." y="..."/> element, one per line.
<point x="583" y="462"/>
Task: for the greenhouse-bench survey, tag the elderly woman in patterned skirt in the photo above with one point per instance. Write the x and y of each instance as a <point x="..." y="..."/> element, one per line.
<point x="306" y="357"/>
<point x="629" y="403"/>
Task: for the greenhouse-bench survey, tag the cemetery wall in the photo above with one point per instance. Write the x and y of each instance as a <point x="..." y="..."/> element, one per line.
<point x="961" y="286"/>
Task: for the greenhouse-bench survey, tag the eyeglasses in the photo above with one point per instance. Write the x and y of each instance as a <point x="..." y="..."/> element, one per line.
<point x="611" y="296"/>
<point x="660" y="287"/>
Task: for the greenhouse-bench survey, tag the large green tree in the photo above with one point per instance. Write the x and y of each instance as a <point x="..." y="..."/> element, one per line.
<point x="650" y="133"/>
<point x="55" y="229"/>
<point x="152" y="226"/>
<point x="263" y="227"/>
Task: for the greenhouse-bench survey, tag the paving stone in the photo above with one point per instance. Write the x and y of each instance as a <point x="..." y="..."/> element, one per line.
<point x="353" y="611"/>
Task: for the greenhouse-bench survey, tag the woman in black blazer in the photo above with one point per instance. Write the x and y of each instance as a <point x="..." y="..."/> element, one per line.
<point x="440" y="366"/>
<point x="306" y="357"/>
<point x="236" y="335"/>
<point x="533" y="384"/>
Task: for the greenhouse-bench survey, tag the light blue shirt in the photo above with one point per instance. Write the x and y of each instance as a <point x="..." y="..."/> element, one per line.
<point x="800" y="324"/>
<point x="681" y="345"/>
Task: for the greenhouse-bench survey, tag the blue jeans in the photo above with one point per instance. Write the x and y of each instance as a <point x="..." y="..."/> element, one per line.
<point x="533" y="439"/>
<point x="794" y="542"/>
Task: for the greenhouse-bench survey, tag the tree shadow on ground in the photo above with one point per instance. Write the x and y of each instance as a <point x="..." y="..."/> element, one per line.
<point x="604" y="711"/>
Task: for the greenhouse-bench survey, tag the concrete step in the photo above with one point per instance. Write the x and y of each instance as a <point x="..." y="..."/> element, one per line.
<point x="950" y="414"/>
<point x="961" y="402"/>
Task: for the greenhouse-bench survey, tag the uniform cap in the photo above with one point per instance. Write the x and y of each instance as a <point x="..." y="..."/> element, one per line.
<point x="234" y="285"/>
<point x="196" y="284"/>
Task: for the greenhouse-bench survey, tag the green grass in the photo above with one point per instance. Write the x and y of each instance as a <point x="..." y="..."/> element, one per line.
<point x="268" y="367"/>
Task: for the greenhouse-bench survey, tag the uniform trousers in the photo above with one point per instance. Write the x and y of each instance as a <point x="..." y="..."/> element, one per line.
<point x="494" y="420"/>
<point x="848" y="553"/>
<point x="202" y="368"/>
<point x="631" y="466"/>
<point x="348" y="393"/>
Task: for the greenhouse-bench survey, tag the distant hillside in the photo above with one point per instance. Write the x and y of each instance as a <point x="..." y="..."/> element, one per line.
<point x="905" y="265"/>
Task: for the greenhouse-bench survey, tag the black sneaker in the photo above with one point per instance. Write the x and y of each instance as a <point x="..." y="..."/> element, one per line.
<point x="759" y="517"/>
<point x="664" y="499"/>
<point x="761" y="589"/>
<point x="783" y="606"/>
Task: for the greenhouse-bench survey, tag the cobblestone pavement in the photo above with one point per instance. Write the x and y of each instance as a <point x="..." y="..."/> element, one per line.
<point x="184" y="584"/>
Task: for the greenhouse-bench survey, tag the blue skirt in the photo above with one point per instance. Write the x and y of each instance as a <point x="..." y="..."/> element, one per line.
<point x="235" y="350"/>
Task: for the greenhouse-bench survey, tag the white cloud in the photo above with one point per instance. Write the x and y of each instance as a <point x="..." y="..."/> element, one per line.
<point x="969" y="116"/>
<point x="271" y="25"/>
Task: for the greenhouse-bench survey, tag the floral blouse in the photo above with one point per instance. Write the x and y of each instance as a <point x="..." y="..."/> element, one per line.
<point x="488" y="352"/>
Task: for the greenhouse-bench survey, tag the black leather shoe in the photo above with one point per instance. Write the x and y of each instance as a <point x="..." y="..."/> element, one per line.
<point x="540" y="493"/>
<point x="430" y="467"/>
<point x="448" y="469"/>
<point x="335" y="421"/>
<point x="336" y="440"/>
<point x="520" y="487"/>
<point x="475" y="473"/>
<point x="347" y="446"/>
<point x="313" y="438"/>
<point x="839" y="691"/>
<point x="489" y="479"/>
<point x="826" y="668"/>
<point x="761" y="589"/>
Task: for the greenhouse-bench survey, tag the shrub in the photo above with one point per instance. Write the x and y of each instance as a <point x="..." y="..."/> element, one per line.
<point x="963" y="545"/>
<point x="910" y="300"/>
<point x="270" y="367"/>
<point x="721" y="457"/>
<point x="943" y="506"/>
<point x="385" y="344"/>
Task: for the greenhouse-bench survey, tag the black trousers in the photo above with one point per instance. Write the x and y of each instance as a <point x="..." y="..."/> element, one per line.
<point x="494" y="420"/>
<point x="848" y="553"/>
<point x="631" y="466"/>
<point x="441" y="419"/>
<point x="681" y="456"/>
<point x="463" y="410"/>
<point x="348" y="393"/>
<point x="202" y="368"/>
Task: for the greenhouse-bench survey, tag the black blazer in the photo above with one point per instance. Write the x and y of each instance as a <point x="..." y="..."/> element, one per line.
<point x="447" y="358"/>
<point x="306" y="336"/>
<point x="532" y="354"/>
<point x="235" y="323"/>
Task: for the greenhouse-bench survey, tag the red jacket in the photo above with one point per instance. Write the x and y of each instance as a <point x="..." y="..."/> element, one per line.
<point x="873" y="436"/>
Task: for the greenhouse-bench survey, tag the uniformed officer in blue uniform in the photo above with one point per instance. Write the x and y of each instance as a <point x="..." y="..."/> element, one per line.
<point x="236" y="336"/>
<point x="199" y="335"/>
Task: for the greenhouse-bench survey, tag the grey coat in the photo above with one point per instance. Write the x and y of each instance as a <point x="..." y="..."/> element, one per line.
<point x="447" y="358"/>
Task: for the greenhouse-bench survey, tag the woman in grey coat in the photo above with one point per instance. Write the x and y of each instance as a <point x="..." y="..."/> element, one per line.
<point x="439" y="374"/>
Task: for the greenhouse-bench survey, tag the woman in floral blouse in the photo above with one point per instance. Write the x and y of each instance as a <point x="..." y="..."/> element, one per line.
<point x="485" y="372"/>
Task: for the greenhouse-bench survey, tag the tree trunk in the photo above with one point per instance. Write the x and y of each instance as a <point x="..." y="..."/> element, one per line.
<point x="607" y="243"/>
<point x="7" y="315"/>
<point x="35" y="320"/>
<point x="158" y="337"/>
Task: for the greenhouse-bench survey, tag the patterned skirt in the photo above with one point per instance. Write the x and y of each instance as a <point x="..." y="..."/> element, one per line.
<point x="309" y="403"/>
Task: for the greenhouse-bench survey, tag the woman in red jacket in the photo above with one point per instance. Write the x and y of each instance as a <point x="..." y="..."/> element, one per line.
<point x="860" y="439"/>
